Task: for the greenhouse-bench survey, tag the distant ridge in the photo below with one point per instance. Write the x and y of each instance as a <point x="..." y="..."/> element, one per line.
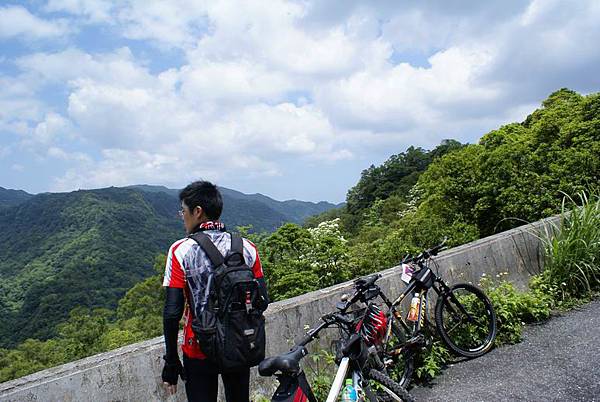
<point x="237" y="203"/>
<point x="9" y="198"/>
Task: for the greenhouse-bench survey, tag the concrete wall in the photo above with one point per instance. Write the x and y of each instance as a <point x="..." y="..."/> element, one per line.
<point x="132" y="373"/>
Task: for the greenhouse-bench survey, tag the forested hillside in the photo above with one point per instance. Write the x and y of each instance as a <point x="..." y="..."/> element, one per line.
<point x="9" y="198"/>
<point x="87" y="248"/>
<point x="84" y="248"/>
<point x="515" y="174"/>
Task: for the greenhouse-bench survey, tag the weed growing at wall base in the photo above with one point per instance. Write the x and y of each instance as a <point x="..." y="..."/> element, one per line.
<point x="572" y="252"/>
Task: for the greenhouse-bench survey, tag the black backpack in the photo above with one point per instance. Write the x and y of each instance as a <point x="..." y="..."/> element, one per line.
<point x="231" y="327"/>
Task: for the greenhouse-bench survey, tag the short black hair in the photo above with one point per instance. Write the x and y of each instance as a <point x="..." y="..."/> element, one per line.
<point x="205" y="195"/>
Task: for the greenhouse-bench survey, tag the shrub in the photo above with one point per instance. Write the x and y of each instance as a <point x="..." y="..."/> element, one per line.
<point x="572" y="252"/>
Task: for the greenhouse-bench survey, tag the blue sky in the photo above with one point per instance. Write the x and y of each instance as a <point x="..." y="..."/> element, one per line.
<point x="292" y="99"/>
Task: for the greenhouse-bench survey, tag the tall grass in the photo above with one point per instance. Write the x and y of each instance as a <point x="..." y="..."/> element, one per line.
<point x="572" y="250"/>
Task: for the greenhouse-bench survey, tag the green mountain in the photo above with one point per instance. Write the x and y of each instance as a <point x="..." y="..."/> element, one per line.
<point x="9" y="198"/>
<point x="62" y="250"/>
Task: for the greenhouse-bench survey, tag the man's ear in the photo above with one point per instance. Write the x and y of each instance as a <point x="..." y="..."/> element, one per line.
<point x="198" y="212"/>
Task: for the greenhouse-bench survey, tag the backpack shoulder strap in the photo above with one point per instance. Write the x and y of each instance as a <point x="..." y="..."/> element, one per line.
<point x="235" y="257"/>
<point x="209" y="248"/>
<point x="237" y="243"/>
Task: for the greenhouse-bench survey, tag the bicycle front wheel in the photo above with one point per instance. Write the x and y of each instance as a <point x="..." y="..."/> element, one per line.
<point x="466" y="320"/>
<point x="384" y="389"/>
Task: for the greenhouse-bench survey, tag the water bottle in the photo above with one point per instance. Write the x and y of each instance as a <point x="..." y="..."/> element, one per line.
<point x="413" y="313"/>
<point x="349" y="393"/>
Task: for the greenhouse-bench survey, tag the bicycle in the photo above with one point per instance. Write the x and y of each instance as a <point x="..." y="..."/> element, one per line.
<point x="355" y="360"/>
<point x="464" y="316"/>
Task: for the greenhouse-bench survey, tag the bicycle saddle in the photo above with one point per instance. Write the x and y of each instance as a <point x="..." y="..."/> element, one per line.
<point x="287" y="363"/>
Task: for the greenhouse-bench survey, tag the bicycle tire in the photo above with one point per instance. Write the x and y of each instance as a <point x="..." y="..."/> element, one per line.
<point x="476" y="330"/>
<point x="402" y="366"/>
<point x="389" y="391"/>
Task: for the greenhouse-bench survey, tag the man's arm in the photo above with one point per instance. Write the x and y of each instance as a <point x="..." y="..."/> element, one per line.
<point x="174" y="282"/>
<point x="172" y="314"/>
<point x="262" y="288"/>
<point x="260" y="278"/>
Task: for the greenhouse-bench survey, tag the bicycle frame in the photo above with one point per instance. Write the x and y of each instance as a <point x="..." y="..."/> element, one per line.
<point x="394" y="314"/>
<point x="338" y="381"/>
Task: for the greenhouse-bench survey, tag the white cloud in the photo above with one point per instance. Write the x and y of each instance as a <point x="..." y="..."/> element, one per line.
<point x="271" y="34"/>
<point x="59" y="153"/>
<point x="18" y="101"/>
<point x="401" y="97"/>
<point x="118" y="168"/>
<point x="72" y="65"/>
<point x="93" y="10"/>
<point x="17" y="21"/>
<point x="173" y="23"/>
<point x="268" y="83"/>
<point x="284" y="128"/>
<point x="52" y="127"/>
<point x="4" y="151"/>
<point x="233" y="82"/>
<point x="164" y="123"/>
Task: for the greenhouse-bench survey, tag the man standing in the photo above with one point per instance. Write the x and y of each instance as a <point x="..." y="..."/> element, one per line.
<point x="201" y="207"/>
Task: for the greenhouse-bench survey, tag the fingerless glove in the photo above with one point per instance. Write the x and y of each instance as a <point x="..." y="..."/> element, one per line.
<point x="172" y="370"/>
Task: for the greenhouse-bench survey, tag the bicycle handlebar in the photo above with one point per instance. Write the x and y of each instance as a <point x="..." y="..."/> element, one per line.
<point x="361" y="286"/>
<point x="328" y="320"/>
<point x="426" y="254"/>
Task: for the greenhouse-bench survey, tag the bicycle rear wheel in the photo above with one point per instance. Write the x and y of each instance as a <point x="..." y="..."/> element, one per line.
<point x="466" y="320"/>
<point x="384" y="389"/>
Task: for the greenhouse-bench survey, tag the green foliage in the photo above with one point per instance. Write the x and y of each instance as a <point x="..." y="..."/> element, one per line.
<point x="90" y="331"/>
<point x="396" y="176"/>
<point x="514" y="309"/>
<point x="520" y="171"/>
<point x="76" y="252"/>
<point x="87" y="248"/>
<point x="572" y="251"/>
<point x="140" y="310"/>
<point x="297" y="260"/>
<point x="431" y="363"/>
<point x="334" y="213"/>
<point x="320" y="371"/>
<point x="9" y="198"/>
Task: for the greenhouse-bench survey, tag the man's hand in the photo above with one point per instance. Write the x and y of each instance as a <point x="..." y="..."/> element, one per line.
<point x="171" y="371"/>
<point x="171" y="389"/>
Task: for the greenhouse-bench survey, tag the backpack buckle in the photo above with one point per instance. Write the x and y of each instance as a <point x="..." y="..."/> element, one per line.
<point x="248" y="302"/>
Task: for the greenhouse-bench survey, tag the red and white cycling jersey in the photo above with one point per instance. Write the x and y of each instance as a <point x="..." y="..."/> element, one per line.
<point x="187" y="261"/>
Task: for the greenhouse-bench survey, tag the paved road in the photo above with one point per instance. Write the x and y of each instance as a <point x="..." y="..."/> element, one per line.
<point x="557" y="361"/>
